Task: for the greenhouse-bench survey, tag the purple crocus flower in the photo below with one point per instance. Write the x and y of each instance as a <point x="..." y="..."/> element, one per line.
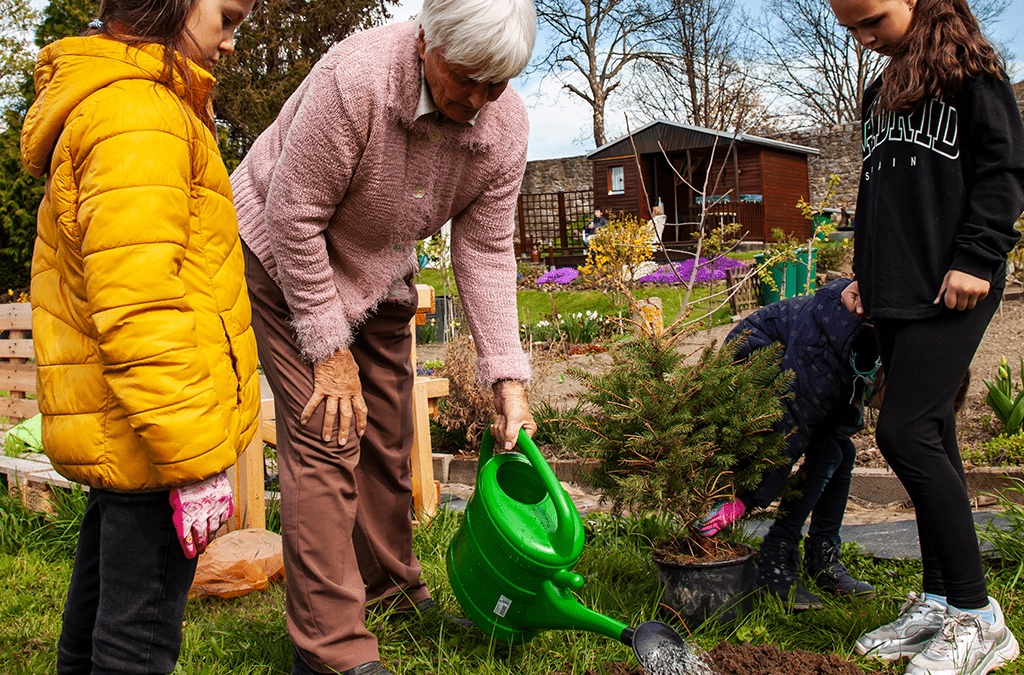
<point x="562" y="275"/>
<point x="707" y="270"/>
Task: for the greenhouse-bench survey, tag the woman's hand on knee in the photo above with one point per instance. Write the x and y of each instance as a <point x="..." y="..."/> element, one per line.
<point x="336" y="382"/>
<point x="513" y="413"/>
<point x="962" y="290"/>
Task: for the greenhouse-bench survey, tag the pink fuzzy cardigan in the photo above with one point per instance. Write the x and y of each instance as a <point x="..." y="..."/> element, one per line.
<point x="333" y="195"/>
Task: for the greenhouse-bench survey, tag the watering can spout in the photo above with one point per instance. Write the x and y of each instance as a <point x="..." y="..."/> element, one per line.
<point x="557" y="608"/>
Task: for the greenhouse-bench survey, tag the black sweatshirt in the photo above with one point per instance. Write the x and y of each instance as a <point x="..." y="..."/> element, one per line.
<point x="940" y="190"/>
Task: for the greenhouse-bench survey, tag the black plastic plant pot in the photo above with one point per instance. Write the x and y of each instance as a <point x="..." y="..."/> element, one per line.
<point x="695" y="592"/>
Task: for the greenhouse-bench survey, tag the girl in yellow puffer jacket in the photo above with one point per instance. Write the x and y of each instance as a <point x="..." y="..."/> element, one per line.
<point x="147" y="365"/>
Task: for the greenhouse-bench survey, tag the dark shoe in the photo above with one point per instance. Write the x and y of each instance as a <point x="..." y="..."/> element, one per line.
<point x="300" y="667"/>
<point x="777" y="573"/>
<point x="821" y="561"/>
<point x="371" y="668"/>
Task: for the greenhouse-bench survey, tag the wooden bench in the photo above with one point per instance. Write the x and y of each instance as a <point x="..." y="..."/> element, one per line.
<point x="34" y="477"/>
<point x="426" y="392"/>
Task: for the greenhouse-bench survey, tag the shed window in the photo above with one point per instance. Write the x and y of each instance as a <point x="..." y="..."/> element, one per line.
<point x="616" y="180"/>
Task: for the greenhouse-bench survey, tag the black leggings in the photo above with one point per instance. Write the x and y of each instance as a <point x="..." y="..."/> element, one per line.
<point x="925" y="361"/>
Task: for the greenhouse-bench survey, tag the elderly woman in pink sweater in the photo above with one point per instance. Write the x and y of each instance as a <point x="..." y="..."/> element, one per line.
<point x="394" y="132"/>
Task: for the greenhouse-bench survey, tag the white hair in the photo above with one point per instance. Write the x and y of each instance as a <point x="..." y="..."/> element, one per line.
<point x="494" y="37"/>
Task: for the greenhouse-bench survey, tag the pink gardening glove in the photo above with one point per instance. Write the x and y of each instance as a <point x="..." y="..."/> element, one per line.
<point x="720" y="516"/>
<point x="199" y="511"/>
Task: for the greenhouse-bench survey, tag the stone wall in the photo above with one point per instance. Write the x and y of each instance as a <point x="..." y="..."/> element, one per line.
<point x="551" y="175"/>
<point x="840" y="154"/>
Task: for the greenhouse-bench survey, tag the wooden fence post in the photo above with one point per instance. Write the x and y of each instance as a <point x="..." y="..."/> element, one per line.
<point x="563" y="230"/>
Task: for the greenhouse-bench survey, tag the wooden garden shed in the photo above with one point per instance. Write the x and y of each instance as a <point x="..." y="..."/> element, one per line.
<point x="743" y="179"/>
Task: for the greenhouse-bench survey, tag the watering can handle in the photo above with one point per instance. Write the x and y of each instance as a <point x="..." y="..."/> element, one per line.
<point x="564" y="509"/>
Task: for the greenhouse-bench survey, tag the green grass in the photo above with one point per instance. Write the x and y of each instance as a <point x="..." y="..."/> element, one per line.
<point x="247" y="635"/>
<point x="536" y="305"/>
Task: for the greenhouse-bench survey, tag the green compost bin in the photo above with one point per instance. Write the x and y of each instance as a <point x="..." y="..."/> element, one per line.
<point x="794" y="274"/>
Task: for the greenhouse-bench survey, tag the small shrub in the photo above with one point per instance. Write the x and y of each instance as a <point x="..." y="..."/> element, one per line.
<point x="586" y="350"/>
<point x="1003" y="450"/>
<point x="468" y="408"/>
<point x="429" y="367"/>
<point x="708" y="270"/>
<point x="585" y="327"/>
<point x="674" y="438"/>
<point x="542" y="331"/>
<point x="833" y="255"/>
<point x="614" y="255"/>
<point x="562" y="276"/>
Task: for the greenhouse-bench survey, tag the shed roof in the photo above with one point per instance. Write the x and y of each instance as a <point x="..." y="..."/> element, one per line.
<point x="676" y="136"/>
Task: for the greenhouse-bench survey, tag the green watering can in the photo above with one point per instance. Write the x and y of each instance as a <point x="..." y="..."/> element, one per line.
<point x="510" y="564"/>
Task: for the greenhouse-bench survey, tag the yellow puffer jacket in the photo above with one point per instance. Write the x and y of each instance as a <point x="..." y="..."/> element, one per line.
<point x="140" y="315"/>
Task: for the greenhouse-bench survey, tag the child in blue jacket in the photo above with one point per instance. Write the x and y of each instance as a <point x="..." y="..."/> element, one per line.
<point x="833" y="356"/>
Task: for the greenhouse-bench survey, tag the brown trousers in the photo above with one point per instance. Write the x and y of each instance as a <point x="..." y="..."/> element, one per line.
<point x="345" y="511"/>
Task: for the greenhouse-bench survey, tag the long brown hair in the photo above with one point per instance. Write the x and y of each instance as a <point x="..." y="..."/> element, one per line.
<point x="943" y="47"/>
<point x="160" y="22"/>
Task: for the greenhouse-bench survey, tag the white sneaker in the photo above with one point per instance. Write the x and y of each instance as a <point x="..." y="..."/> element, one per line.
<point x="917" y="624"/>
<point x="967" y="645"/>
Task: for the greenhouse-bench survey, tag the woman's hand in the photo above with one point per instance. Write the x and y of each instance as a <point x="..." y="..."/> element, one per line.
<point x="962" y="290"/>
<point x="337" y="381"/>
<point x="513" y="412"/>
<point x="851" y="299"/>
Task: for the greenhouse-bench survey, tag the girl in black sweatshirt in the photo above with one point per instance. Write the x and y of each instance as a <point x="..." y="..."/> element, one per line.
<point x="941" y="186"/>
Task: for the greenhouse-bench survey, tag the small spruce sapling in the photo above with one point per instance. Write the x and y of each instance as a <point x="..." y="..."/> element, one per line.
<point x="673" y="438"/>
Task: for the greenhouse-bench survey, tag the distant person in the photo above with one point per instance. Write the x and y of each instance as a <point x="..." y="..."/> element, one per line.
<point x="597" y="223"/>
<point x="147" y="364"/>
<point x="942" y="184"/>
<point x="657" y="224"/>
<point x="834" y="360"/>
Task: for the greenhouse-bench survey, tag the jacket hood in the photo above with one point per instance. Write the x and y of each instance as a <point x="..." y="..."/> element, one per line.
<point x="70" y="70"/>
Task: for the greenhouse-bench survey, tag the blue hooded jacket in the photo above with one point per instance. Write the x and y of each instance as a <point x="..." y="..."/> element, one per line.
<point x="819" y="335"/>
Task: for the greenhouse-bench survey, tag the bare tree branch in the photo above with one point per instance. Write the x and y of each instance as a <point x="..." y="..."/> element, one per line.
<point x="596" y="40"/>
<point x="700" y="77"/>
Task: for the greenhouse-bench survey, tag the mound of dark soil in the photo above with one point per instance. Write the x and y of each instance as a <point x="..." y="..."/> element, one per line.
<point x="770" y="660"/>
<point x="748" y="659"/>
